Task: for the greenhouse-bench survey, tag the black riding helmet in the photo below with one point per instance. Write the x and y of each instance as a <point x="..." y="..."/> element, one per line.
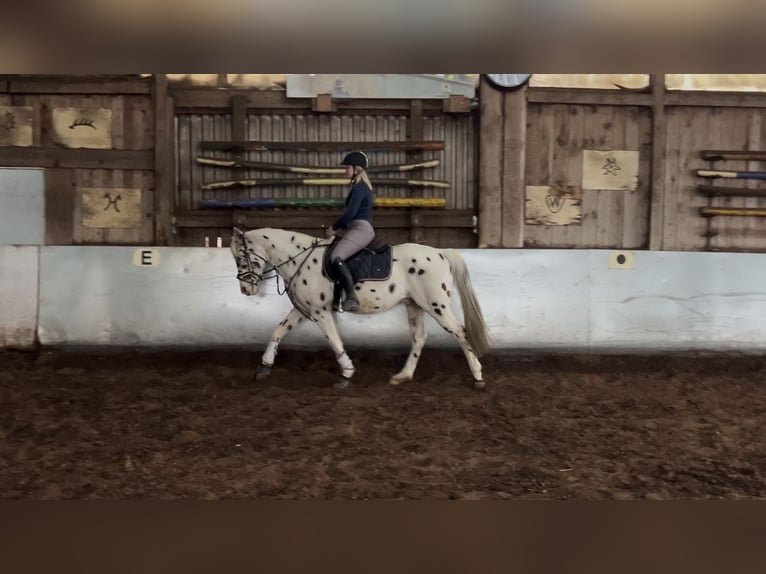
<point x="357" y="158"/>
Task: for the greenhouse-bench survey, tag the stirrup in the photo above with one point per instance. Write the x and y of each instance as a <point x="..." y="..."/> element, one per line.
<point x="351" y="305"/>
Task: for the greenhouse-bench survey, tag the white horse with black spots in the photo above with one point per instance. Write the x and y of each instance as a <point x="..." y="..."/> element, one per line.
<point x="422" y="277"/>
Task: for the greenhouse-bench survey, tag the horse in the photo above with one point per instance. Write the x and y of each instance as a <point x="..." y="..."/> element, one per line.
<point x="420" y="276"/>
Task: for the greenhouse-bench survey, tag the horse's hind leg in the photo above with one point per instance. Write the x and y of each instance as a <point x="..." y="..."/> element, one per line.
<point x="419" y="335"/>
<point x="446" y="318"/>
<point x="267" y="361"/>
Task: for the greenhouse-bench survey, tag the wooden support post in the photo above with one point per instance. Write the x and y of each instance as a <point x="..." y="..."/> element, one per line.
<point x="59" y="206"/>
<point x="239" y="120"/>
<point x="415" y="133"/>
<point x="416" y="231"/>
<point x="490" y="166"/>
<point x="164" y="162"/>
<point x="514" y="165"/>
<point x="659" y="147"/>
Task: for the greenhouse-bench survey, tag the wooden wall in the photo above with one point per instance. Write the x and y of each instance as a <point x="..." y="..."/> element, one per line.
<point x="496" y="159"/>
<point x="544" y="132"/>
<point x="126" y="164"/>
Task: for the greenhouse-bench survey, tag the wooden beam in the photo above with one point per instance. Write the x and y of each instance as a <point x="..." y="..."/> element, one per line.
<point x="589" y="97"/>
<point x="514" y="154"/>
<point x="164" y="162"/>
<point x="659" y="147"/>
<point x="716" y="99"/>
<point x="238" y="118"/>
<point x="59" y="206"/>
<point x="3" y="86"/>
<point x="188" y="99"/>
<point x="68" y="85"/>
<point x="415" y="132"/>
<point x="77" y="158"/>
<point x="491" y="142"/>
<point x="314" y="220"/>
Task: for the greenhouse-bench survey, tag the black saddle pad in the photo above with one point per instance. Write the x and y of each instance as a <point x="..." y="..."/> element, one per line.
<point x="373" y="263"/>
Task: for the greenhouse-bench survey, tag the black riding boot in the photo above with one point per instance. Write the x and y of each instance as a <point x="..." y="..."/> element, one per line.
<point x="344" y="276"/>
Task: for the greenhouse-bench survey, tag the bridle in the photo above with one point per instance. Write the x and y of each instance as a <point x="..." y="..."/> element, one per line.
<point x="253" y="277"/>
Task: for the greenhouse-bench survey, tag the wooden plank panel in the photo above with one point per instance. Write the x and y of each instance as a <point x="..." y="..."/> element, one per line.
<point x="697" y="129"/>
<point x="59" y="206"/>
<point x="635" y="215"/>
<point x="76" y="158"/>
<point x="610" y="203"/>
<point x="491" y="166"/>
<point x="514" y="154"/>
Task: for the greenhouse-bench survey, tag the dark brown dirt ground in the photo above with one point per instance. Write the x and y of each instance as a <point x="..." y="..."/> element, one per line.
<point x="170" y="424"/>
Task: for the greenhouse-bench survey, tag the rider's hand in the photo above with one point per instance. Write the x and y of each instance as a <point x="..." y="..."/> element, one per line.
<point x="330" y="231"/>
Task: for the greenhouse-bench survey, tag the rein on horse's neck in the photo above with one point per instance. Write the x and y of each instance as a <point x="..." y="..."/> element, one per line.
<point x="281" y="256"/>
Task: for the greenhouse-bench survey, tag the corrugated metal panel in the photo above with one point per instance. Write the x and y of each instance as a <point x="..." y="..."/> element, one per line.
<point x="458" y="165"/>
<point x="18" y="295"/>
<point x="655" y="301"/>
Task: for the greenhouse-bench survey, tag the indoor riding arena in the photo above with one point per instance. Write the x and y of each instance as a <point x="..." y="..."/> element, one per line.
<point x="611" y="226"/>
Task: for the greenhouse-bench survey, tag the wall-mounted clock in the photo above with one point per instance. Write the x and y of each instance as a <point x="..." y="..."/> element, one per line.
<point x="508" y="81"/>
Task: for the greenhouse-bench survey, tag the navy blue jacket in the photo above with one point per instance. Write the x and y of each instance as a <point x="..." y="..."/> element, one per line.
<point x="359" y="202"/>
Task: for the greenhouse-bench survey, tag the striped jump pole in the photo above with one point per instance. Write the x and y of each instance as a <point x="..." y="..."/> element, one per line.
<point x="270" y="203"/>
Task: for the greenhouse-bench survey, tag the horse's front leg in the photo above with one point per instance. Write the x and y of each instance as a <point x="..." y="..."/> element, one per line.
<point x="292" y="319"/>
<point x="326" y="322"/>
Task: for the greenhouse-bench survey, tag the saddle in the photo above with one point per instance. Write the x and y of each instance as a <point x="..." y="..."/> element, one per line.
<point x="373" y="263"/>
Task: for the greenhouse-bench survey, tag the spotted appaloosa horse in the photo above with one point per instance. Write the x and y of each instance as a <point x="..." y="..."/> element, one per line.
<point x="421" y="277"/>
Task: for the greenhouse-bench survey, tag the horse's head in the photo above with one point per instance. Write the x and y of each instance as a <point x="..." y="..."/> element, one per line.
<point x="251" y="262"/>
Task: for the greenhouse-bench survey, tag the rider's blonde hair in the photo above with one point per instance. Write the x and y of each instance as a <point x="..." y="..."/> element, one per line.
<point x="361" y="174"/>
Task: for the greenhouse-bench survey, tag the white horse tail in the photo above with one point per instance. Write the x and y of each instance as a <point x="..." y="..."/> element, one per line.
<point x="475" y="326"/>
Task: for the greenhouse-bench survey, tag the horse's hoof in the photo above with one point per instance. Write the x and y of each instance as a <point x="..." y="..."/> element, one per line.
<point x="479" y="384"/>
<point x="343" y="383"/>
<point x="394" y="381"/>
<point x="262" y="372"/>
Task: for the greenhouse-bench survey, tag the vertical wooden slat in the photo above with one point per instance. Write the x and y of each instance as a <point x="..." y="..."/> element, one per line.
<point x="490" y="166"/>
<point x="657" y="203"/>
<point x="59" y="206"/>
<point x="164" y="161"/>
<point x="238" y="118"/>
<point x="514" y="154"/>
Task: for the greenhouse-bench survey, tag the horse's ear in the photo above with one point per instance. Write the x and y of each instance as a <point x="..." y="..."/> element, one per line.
<point x="238" y="231"/>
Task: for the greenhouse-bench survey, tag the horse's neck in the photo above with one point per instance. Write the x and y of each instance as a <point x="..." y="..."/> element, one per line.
<point x="285" y="247"/>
